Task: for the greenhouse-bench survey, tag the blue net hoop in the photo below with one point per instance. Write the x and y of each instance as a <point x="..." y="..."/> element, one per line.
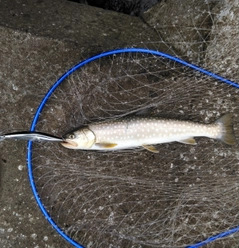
<point x="67" y="74"/>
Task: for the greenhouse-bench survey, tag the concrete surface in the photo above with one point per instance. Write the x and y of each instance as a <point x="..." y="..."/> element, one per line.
<point x="39" y="41"/>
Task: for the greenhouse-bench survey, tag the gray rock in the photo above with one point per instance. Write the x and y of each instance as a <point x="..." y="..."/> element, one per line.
<point x="40" y="40"/>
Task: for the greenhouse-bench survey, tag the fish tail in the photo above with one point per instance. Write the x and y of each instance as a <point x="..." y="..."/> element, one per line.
<point x="227" y="135"/>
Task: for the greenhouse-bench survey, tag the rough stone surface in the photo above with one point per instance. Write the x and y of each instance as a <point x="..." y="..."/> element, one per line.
<point x="39" y="41"/>
<point x="24" y="79"/>
<point x="222" y="53"/>
<point x="176" y="29"/>
<point x="93" y="29"/>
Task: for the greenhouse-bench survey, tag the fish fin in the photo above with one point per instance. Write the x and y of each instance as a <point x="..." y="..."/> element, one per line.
<point x="106" y="145"/>
<point x="228" y="136"/>
<point x="189" y="141"/>
<point x="150" y="148"/>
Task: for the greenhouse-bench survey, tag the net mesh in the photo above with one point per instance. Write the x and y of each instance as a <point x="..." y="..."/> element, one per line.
<point x="134" y="198"/>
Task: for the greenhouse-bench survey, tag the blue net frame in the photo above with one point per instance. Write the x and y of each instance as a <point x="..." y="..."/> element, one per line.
<point x="67" y="74"/>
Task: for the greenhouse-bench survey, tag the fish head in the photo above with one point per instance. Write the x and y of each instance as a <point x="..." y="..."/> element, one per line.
<point x="83" y="138"/>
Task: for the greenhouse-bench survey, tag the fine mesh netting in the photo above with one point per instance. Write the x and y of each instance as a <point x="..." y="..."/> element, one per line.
<point x="134" y="198"/>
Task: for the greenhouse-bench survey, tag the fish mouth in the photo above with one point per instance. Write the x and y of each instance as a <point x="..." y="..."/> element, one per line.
<point x="69" y="144"/>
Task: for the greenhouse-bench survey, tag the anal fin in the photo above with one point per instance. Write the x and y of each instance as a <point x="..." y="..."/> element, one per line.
<point x="150" y="148"/>
<point x="189" y="141"/>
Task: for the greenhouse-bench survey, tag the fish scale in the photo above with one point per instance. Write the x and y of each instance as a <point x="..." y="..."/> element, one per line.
<point x="131" y="132"/>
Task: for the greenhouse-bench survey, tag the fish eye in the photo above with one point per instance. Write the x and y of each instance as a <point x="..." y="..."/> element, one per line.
<point x="71" y="136"/>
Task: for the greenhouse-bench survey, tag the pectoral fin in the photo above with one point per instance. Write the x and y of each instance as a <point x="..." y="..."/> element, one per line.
<point x="189" y="141"/>
<point x="106" y="145"/>
<point x="150" y="148"/>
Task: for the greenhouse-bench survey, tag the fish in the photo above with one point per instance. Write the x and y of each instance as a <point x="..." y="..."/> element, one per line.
<point x="141" y="131"/>
<point x="33" y="136"/>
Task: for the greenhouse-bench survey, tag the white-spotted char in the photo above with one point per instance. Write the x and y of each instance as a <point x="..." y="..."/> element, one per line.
<point x="131" y="132"/>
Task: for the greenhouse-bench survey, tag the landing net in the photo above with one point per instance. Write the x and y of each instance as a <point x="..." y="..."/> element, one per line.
<point x="134" y="198"/>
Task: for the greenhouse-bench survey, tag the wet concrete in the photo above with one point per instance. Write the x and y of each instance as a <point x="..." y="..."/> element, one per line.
<point x="39" y="41"/>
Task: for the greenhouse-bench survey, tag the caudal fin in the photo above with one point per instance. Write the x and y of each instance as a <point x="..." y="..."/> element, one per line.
<point x="228" y="136"/>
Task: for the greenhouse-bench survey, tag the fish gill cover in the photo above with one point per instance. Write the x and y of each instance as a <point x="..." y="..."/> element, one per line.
<point x="135" y="198"/>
